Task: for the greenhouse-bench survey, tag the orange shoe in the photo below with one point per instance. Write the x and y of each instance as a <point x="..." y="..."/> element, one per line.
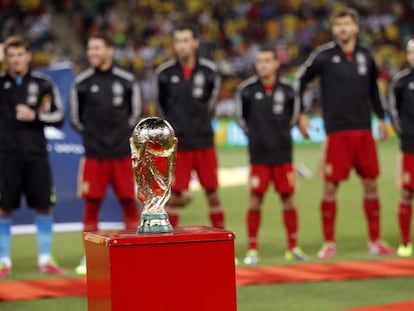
<point x="5" y="271"/>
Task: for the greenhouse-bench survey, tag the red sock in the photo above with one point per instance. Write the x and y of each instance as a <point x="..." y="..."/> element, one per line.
<point x="328" y="209"/>
<point x="216" y="215"/>
<point x="131" y="217"/>
<point x="173" y="214"/>
<point x="253" y="224"/>
<point x="290" y="220"/>
<point x="404" y="218"/>
<point x="372" y="208"/>
<point x="91" y="215"/>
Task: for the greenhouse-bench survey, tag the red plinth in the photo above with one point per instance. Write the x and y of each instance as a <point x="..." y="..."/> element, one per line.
<point x="190" y="269"/>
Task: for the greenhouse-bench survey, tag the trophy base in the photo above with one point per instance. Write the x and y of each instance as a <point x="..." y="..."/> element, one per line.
<point x="157" y="223"/>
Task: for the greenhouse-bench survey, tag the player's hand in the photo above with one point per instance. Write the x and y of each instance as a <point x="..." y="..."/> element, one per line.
<point x="382" y="130"/>
<point x="303" y="124"/>
<point x="24" y="113"/>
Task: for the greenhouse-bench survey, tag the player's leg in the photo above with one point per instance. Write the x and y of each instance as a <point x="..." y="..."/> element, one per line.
<point x="259" y="179"/>
<point x="405" y="249"/>
<point x="182" y="175"/>
<point x="10" y="192"/>
<point x="285" y="183"/>
<point x="40" y="196"/>
<point x="206" y="166"/>
<point x="367" y="166"/>
<point x="124" y="186"/>
<point x="93" y="179"/>
<point x="336" y="167"/>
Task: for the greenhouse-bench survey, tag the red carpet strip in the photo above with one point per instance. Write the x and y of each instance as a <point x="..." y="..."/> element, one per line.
<point x="397" y="306"/>
<point x="295" y="273"/>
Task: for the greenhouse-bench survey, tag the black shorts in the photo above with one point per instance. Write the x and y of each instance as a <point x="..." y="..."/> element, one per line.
<point x="29" y="177"/>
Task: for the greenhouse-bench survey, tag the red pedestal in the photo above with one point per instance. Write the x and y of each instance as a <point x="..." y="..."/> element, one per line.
<point x="190" y="269"/>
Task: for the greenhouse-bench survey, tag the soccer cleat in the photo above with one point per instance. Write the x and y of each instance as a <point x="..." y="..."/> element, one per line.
<point x="295" y="254"/>
<point x="405" y="250"/>
<point x="252" y="257"/>
<point x="328" y="250"/>
<point x="380" y="248"/>
<point x="51" y="267"/>
<point x="5" y="271"/>
<point x="81" y="269"/>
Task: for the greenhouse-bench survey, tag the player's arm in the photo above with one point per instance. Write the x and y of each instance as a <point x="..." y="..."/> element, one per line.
<point x="242" y="108"/>
<point x="75" y="109"/>
<point x="394" y="104"/>
<point x="215" y="92"/>
<point x="160" y="88"/>
<point x="376" y="101"/>
<point x="308" y="71"/>
<point x="136" y="105"/>
<point x="51" y="108"/>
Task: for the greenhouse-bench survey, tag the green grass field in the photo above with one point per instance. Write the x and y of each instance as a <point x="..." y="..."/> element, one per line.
<point x="324" y="296"/>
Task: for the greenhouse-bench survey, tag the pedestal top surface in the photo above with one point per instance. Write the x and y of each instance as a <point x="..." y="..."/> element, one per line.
<point x="179" y="235"/>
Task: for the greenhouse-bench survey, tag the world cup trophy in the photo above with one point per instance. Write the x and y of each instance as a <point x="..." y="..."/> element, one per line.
<point x="153" y="152"/>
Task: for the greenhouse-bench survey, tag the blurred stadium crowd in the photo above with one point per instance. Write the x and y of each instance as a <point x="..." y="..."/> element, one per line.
<point x="230" y="31"/>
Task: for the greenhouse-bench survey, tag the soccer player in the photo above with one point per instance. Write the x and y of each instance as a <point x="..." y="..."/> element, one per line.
<point x="349" y="92"/>
<point x="401" y="99"/>
<point x="266" y="107"/>
<point x="188" y="87"/>
<point x="105" y="105"/>
<point x="28" y="102"/>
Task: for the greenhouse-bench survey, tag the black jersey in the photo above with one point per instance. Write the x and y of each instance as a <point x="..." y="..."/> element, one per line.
<point x="401" y="105"/>
<point x="104" y="107"/>
<point x="189" y="104"/>
<point x="348" y="88"/>
<point x="267" y="120"/>
<point x="40" y="94"/>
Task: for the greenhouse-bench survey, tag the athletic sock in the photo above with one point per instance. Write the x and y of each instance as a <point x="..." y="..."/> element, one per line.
<point x="328" y="209"/>
<point x="253" y="223"/>
<point x="290" y="220"/>
<point x="173" y="214"/>
<point x="44" y="224"/>
<point x="91" y="215"/>
<point x="5" y="236"/>
<point x="371" y="208"/>
<point x="131" y="217"/>
<point x="404" y="218"/>
<point x="216" y="216"/>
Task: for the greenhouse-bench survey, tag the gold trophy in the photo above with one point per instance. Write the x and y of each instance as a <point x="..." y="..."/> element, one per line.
<point x="153" y="151"/>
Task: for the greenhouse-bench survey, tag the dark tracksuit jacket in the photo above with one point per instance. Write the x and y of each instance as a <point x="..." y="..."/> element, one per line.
<point x="104" y="107"/>
<point x="348" y="88"/>
<point x="401" y="105"/>
<point x="267" y="120"/>
<point x="189" y="104"/>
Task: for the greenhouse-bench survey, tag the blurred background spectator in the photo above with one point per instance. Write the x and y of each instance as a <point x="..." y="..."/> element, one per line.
<point x="230" y="30"/>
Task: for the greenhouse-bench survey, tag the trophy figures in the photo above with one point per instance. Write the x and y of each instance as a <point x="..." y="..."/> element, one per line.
<point x="153" y="151"/>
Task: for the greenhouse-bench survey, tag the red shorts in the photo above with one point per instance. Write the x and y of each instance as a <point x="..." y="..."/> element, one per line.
<point x="350" y="149"/>
<point x="282" y="175"/>
<point x="204" y="162"/>
<point x="96" y="174"/>
<point x="407" y="174"/>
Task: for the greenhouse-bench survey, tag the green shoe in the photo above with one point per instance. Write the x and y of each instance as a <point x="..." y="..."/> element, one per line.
<point x="405" y="250"/>
<point x="295" y="254"/>
<point x="81" y="269"/>
<point x="252" y="257"/>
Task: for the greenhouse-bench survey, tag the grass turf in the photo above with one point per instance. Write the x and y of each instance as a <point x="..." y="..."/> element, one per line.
<point x="351" y="238"/>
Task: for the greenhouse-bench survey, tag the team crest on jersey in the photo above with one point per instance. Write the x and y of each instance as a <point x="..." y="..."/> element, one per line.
<point x="32" y="93"/>
<point x="175" y="79"/>
<point x="258" y="96"/>
<point x="278" y="101"/>
<point x="6" y="85"/>
<point x="361" y="63"/>
<point x="199" y="82"/>
<point x="336" y="59"/>
<point x="94" y="88"/>
<point x="118" y="93"/>
<point x="411" y="85"/>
